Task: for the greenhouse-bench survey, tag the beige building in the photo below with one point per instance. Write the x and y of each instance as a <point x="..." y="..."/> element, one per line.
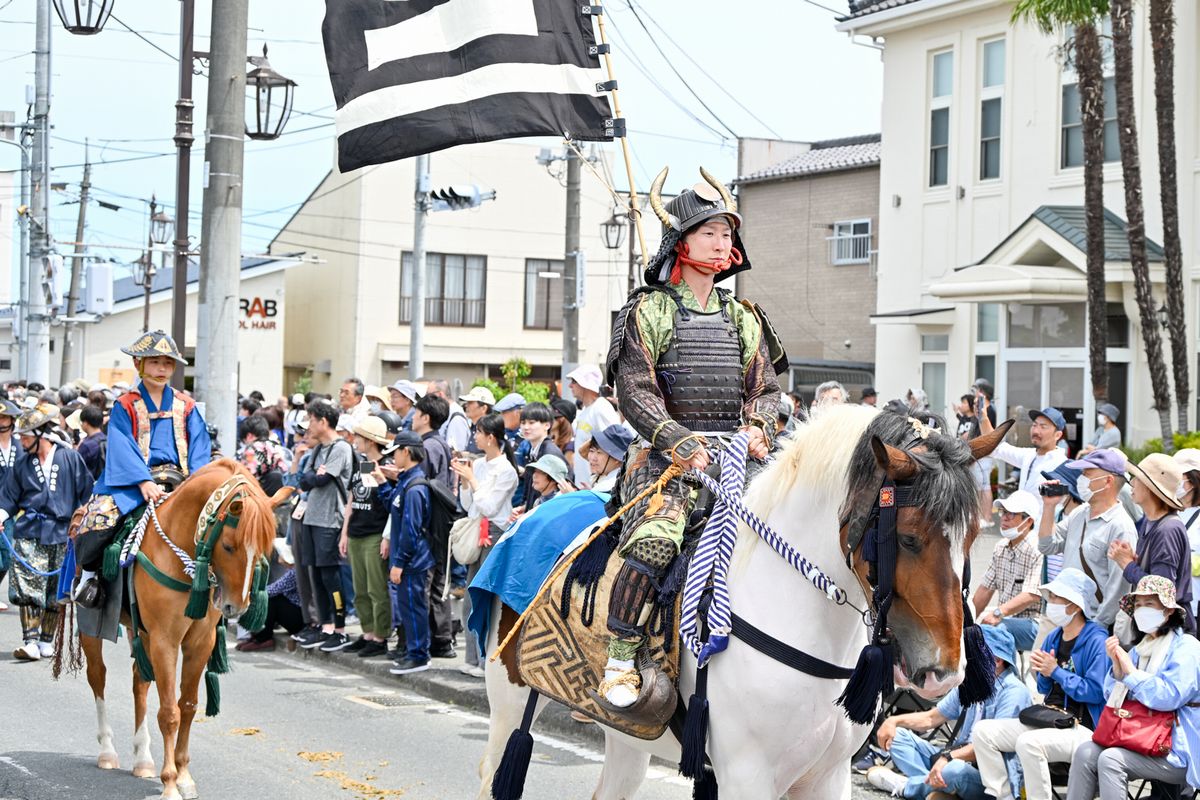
<point x="981" y="262"/>
<point x="811" y="212"/>
<point x="493" y="287"/>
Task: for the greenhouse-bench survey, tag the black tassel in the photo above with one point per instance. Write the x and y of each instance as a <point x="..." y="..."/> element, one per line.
<point x="980" y="680"/>
<point x="695" y="739"/>
<point x="587" y="571"/>
<point x="509" y="781"/>
<point x="872" y="675"/>
<point x="705" y="787"/>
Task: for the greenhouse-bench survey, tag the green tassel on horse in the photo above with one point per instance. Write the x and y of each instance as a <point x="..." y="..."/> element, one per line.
<point x="218" y="661"/>
<point x="200" y="600"/>
<point x="212" y="692"/>
<point x="142" y="659"/>
<point x="256" y="615"/>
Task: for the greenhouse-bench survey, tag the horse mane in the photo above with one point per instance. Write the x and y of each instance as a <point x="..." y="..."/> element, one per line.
<point x="256" y="525"/>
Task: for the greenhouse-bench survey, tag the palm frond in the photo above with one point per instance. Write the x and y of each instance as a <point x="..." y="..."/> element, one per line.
<point x="1052" y="15"/>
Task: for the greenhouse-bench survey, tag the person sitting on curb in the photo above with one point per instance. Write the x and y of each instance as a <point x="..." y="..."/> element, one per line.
<point x="1070" y="666"/>
<point x="1014" y="571"/>
<point x="930" y="771"/>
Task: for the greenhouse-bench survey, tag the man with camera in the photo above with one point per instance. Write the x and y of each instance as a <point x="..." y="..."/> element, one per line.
<point x="1045" y="430"/>
<point x="1083" y="538"/>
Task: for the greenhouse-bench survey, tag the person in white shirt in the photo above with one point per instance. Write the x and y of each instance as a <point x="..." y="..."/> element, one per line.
<point x="596" y="414"/>
<point x="1045" y="432"/>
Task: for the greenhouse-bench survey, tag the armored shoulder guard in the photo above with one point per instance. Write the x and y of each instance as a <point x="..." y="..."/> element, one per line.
<point x="624" y="318"/>
<point x="775" y="351"/>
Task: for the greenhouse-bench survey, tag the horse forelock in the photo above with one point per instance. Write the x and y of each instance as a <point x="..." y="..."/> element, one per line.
<point x="943" y="487"/>
<point x="256" y="526"/>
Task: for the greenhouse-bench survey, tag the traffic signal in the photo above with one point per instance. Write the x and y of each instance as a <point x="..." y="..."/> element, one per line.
<point x="457" y="198"/>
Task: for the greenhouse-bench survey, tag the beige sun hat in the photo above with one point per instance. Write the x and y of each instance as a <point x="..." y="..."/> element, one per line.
<point x="374" y="429"/>
<point x="1162" y="475"/>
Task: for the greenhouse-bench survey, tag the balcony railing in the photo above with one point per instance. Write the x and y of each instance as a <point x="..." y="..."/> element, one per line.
<point x="850" y="249"/>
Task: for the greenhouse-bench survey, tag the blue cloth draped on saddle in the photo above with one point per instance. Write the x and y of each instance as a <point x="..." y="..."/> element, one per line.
<point x="525" y="556"/>
<point x="125" y="467"/>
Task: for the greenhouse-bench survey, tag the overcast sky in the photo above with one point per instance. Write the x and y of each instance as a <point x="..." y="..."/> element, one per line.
<point x="783" y="62"/>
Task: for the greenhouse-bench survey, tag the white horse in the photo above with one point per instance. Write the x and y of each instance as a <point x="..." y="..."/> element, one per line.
<point x="775" y="732"/>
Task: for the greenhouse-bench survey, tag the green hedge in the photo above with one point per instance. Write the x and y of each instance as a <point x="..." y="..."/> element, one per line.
<point x="1182" y="440"/>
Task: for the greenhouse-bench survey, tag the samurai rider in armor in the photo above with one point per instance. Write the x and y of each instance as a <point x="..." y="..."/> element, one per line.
<point x="155" y="438"/>
<point x="689" y="361"/>
<point x="40" y="493"/>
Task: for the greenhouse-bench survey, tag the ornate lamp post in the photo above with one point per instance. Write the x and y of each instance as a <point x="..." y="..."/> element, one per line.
<point x="269" y="94"/>
<point x="83" y="17"/>
<point x="612" y="231"/>
<point x="144" y="269"/>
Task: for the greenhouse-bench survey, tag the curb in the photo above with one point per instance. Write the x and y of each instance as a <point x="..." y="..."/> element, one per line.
<point x="447" y="685"/>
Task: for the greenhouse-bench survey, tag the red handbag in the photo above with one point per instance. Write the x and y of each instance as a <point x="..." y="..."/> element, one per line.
<point x="1135" y="728"/>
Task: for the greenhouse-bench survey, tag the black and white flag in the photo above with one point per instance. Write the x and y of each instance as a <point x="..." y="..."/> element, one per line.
<point x="415" y="76"/>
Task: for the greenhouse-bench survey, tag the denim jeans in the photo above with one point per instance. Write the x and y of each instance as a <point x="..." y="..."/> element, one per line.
<point x="913" y="756"/>
<point x="1024" y="631"/>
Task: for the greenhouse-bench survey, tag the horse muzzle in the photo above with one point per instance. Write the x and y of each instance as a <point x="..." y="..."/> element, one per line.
<point x="928" y="682"/>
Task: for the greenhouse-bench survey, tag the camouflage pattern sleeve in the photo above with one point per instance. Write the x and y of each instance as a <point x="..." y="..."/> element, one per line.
<point x="760" y="388"/>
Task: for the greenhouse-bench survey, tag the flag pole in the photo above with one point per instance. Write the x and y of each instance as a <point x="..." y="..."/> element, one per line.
<point x="634" y="211"/>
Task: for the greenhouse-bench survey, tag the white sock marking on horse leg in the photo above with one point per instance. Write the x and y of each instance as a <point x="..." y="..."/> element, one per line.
<point x="104" y="733"/>
<point x="141" y="744"/>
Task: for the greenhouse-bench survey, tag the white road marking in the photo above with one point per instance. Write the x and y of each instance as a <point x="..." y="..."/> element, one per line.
<point x="19" y="767"/>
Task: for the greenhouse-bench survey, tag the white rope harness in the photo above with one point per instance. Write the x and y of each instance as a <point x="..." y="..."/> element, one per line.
<point x="133" y="544"/>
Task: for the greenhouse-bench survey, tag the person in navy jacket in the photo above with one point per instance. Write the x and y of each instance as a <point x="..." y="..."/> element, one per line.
<point x="410" y="555"/>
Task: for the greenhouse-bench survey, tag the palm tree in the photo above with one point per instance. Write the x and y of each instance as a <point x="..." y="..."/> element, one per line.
<point x="1048" y="15"/>
<point x="1162" y="38"/>
<point x="1131" y="169"/>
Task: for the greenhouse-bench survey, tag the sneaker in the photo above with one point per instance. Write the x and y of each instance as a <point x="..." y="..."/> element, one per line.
<point x="357" y="645"/>
<point x="28" y="652"/>
<point x="472" y="670"/>
<point x="46" y="649"/>
<point x="3" y="606"/>
<point x="444" y="652"/>
<point x="372" y="649"/>
<point x="303" y="632"/>
<point x="407" y="665"/>
<point x="352" y="619"/>
<point x="887" y="779"/>
<point x="311" y="638"/>
<point x="871" y="758"/>
<point x="334" y="642"/>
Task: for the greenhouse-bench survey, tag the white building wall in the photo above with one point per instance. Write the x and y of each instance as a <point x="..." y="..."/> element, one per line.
<point x="10" y="233"/>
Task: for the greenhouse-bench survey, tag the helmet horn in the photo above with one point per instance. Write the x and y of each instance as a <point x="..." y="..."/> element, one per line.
<point x="656" y="202"/>
<point x="730" y="203"/>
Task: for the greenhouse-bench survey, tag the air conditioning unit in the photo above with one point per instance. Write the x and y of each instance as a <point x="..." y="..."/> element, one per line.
<point x="98" y="295"/>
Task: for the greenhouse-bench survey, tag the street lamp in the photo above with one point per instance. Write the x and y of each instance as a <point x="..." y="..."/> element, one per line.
<point x="83" y="17"/>
<point x="144" y="270"/>
<point x="271" y="94"/>
<point x="1164" y="316"/>
<point x="160" y="227"/>
<point x="613" y="231"/>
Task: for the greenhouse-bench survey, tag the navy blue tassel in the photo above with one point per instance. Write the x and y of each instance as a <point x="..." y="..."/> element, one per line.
<point x="705" y="787"/>
<point x="695" y="739"/>
<point x="587" y="571"/>
<point x="980" y="680"/>
<point x="872" y="677"/>
<point x="509" y="782"/>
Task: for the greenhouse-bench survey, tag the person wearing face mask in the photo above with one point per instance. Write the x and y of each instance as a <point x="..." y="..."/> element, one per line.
<point x="1162" y="672"/>
<point x="1107" y="434"/>
<point x="1015" y="569"/>
<point x="1162" y="543"/>
<point x="1189" y="495"/>
<point x="1084" y="537"/>
<point x="1070" y="666"/>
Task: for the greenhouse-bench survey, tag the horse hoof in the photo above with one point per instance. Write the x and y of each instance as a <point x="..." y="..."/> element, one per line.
<point x="108" y="761"/>
<point x="145" y="770"/>
<point x="188" y="790"/>
<point x="170" y="794"/>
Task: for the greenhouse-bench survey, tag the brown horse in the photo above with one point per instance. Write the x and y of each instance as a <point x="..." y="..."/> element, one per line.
<point x="167" y="630"/>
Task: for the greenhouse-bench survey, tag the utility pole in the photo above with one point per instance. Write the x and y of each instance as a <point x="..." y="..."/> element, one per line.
<point x="68" y="350"/>
<point x="416" y="317"/>
<point x="183" y="168"/>
<point x="221" y="220"/>
<point x="148" y="267"/>
<point x="37" y="343"/>
<point x="571" y="272"/>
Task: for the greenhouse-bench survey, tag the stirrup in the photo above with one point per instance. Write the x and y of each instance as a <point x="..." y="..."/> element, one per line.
<point x="90" y="593"/>
<point x="655" y="703"/>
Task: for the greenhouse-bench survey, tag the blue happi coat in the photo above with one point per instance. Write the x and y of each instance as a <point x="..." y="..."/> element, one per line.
<point x="126" y="467"/>
<point x="45" y="499"/>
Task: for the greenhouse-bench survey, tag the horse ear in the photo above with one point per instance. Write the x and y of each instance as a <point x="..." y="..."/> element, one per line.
<point x="281" y="496"/>
<point x="983" y="445"/>
<point x="892" y="460"/>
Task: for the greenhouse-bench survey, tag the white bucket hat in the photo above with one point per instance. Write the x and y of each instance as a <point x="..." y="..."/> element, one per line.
<point x="1075" y="587"/>
<point x="588" y="376"/>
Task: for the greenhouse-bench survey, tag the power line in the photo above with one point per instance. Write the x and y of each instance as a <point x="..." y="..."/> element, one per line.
<point x="171" y="56"/>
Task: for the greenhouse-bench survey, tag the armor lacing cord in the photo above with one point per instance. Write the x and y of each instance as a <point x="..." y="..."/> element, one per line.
<point x="707" y="267"/>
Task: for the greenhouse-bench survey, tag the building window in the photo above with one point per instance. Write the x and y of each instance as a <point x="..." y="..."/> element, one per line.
<point x="941" y="91"/>
<point x="991" y="110"/>
<point x="987" y="316"/>
<point x="543" y="294"/>
<point x="851" y="242"/>
<point x="935" y="342"/>
<point x="1072" y="120"/>
<point x="933" y="382"/>
<point x="5" y="363"/>
<point x="454" y="289"/>
<point x="1046" y="326"/>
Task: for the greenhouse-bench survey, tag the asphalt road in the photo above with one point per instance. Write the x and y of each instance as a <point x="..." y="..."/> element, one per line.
<point x="287" y="729"/>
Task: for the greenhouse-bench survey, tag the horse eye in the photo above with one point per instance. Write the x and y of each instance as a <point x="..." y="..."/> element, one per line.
<point x="228" y="548"/>
<point x="910" y="543"/>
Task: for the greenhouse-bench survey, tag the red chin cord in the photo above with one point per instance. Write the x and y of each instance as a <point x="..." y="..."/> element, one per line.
<point x="706" y="267"/>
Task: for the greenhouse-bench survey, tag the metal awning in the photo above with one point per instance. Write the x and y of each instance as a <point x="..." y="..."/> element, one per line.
<point x="915" y="316"/>
<point x="1012" y="283"/>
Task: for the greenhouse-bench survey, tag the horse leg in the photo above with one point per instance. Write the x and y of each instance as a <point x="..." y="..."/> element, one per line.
<point x="143" y="761"/>
<point x="624" y="769"/>
<point x="197" y="646"/>
<point x="833" y="783"/>
<point x="164" y="656"/>
<point x="96" y="676"/>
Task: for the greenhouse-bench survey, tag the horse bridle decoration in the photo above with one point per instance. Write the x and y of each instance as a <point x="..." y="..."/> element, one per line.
<point x="876" y="535"/>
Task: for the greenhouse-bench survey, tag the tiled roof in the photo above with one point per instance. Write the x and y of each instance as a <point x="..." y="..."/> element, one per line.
<point x="1070" y="222"/>
<point x="832" y="155"/>
<point x="860" y="8"/>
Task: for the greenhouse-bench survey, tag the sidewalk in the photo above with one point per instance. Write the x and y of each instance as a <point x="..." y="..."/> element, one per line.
<point x="443" y="682"/>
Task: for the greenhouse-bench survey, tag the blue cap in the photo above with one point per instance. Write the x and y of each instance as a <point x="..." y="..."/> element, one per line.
<point x="1001" y="643"/>
<point x="1113" y="461"/>
<point x="509" y="402"/>
<point x="614" y="440"/>
<point x="1067" y="476"/>
<point x="1053" y="414"/>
